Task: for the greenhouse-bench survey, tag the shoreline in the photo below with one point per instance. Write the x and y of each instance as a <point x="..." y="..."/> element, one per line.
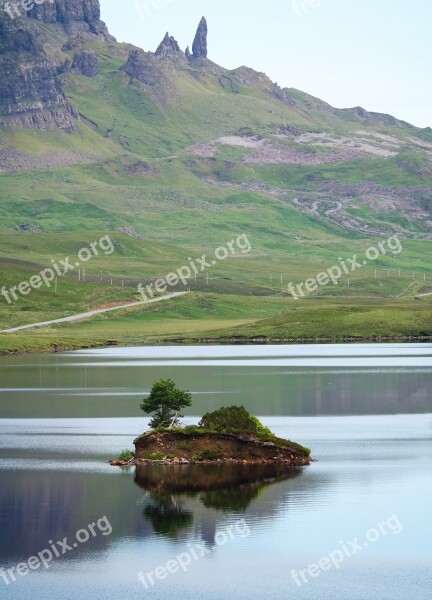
<point x="233" y="341"/>
<point x="137" y="462"/>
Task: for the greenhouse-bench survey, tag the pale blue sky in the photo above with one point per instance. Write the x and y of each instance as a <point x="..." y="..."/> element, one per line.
<point x="370" y="53"/>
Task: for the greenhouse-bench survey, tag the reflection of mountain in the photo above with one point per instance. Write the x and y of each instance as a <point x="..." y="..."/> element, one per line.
<point x="31" y="501"/>
<point x="116" y="388"/>
<point x="226" y="488"/>
<point x="38" y="506"/>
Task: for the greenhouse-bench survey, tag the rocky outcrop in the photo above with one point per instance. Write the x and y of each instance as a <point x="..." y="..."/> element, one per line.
<point x="31" y="93"/>
<point x="376" y="118"/>
<point x="28" y="228"/>
<point x="142" y="66"/>
<point x="153" y="72"/>
<point x="130" y="231"/>
<point x="74" y="16"/>
<point x="33" y="63"/>
<point x="168" y="47"/>
<point x="66" y="66"/>
<point x="199" y="47"/>
<point x="85" y="63"/>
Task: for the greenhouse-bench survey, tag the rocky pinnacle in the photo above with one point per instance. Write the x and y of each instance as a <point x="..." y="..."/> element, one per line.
<point x="167" y="47"/>
<point x="199" y="47"/>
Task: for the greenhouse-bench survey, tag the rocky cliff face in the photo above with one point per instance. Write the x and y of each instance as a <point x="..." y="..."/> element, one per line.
<point x="31" y="64"/>
<point x="31" y="93"/>
<point x="85" y="63"/>
<point x="74" y="16"/>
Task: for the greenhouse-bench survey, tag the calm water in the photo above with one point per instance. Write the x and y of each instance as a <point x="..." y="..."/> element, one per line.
<point x="365" y="411"/>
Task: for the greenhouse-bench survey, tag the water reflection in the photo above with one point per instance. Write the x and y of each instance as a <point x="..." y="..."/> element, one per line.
<point x="368" y="468"/>
<point x="294" y="380"/>
<point x="182" y="497"/>
<point x="167" y="515"/>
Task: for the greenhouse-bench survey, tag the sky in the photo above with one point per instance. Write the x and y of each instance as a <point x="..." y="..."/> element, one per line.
<point x="370" y="53"/>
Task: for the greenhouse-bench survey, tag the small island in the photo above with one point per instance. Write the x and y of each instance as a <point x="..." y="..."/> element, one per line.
<point x="228" y="435"/>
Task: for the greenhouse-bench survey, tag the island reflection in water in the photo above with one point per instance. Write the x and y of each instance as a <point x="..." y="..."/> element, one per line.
<point x="186" y="499"/>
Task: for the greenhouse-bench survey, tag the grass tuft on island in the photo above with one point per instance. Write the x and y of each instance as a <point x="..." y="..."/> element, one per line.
<point x="228" y="435"/>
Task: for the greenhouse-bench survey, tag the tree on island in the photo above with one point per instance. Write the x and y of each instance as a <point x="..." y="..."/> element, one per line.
<point x="165" y="401"/>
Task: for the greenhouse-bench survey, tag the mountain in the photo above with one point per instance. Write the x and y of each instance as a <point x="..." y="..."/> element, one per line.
<point x="173" y="155"/>
<point x="173" y="128"/>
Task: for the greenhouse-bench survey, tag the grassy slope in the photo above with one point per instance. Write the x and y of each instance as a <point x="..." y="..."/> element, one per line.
<point x="239" y="298"/>
<point x="337" y="320"/>
<point x="180" y="215"/>
<point x="132" y="124"/>
<point x="209" y="317"/>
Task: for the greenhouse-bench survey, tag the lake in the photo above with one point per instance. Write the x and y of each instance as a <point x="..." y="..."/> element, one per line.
<point x="355" y="524"/>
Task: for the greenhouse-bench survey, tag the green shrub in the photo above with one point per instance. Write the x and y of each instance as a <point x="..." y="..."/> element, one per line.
<point x="159" y="456"/>
<point x="126" y="455"/>
<point x="234" y="419"/>
<point x="261" y="429"/>
<point x="281" y="443"/>
<point x="192" y="429"/>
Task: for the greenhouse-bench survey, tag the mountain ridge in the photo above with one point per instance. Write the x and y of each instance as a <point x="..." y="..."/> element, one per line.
<point x="173" y="124"/>
<point x="79" y="21"/>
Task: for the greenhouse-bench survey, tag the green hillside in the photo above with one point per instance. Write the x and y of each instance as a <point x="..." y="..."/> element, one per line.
<point x="184" y="157"/>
